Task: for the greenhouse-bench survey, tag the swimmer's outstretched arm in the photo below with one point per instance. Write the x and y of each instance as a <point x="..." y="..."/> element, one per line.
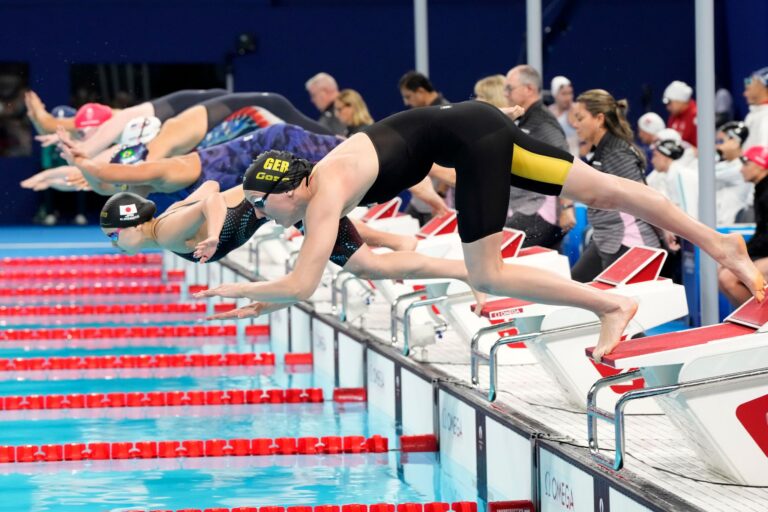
<point x="109" y="131"/>
<point x="215" y="211"/>
<point x="366" y="264"/>
<point x="41" y="119"/>
<point x="321" y="225"/>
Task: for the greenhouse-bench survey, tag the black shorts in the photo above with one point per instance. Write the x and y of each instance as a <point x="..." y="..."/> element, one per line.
<point x="175" y="103"/>
<point x="490" y="154"/>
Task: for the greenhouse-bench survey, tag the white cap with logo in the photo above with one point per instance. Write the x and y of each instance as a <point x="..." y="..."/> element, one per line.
<point x="677" y="91"/>
<point x="651" y="123"/>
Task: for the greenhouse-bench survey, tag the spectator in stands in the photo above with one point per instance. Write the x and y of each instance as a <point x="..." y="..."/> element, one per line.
<point x="755" y="170"/>
<point x="491" y="90"/>
<point x="756" y="93"/>
<point x="351" y="110"/>
<point x="545" y="219"/>
<point x="734" y="194"/>
<point x="673" y="175"/>
<point x="323" y="90"/>
<point x="682" y="110"/>
<point x="601" y="121"/>
<point x="723" y="106"/>
<point x="648" y="126"/>
<point x="418" y="91"/>
<point x="562" y="92"/>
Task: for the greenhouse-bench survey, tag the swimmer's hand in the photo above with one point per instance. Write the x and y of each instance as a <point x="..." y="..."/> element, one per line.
<point x="48" y="139"/>
<point x="252" y="310"/>
<point x="228" y="290"/>
<point x="480" y="298"/>
<point x="70" y="150"/>
<point x="35" y="110"/>
<point x="671" y="240"/>
<point x="206" y="249"/>
<point x="513" y="112"/>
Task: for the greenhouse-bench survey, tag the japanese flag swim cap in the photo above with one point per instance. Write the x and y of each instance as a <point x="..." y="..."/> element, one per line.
<point x="125" y="210"/>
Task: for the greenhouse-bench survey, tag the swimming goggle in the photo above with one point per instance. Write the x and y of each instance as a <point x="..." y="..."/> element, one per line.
<point x="114" y="236"/>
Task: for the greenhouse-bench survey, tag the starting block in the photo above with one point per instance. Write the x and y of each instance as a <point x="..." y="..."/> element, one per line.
<point x="388" y="218"/>
<point x="556" y="336"/>
<point x="444" y="224"/>
<point x="459" y="307"/>
<point x="712" y="383"/>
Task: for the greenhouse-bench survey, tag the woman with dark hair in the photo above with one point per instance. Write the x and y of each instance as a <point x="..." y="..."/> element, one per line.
<point x="601" y="122"/>
<point x="490" y="154"/>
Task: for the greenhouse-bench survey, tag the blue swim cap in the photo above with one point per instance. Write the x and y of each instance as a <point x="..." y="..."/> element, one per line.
<point x="63" y="111"/>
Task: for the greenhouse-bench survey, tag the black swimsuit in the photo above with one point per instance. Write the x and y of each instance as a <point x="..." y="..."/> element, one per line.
<point x="239" y="226"/>
<point x="219" y="108"/>
<point x="489" y="152"/>
<point x="348" y="241"/>
<point x="175" y="103"/>
<point x="241" y="223"/>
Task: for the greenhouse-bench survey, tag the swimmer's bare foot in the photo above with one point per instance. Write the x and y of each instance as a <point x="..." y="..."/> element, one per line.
<point x="613" y="323"/>
<point x="734" y="257"/>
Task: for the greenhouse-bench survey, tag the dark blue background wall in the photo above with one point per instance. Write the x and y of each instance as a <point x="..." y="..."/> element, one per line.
<point x="619" y="45"/>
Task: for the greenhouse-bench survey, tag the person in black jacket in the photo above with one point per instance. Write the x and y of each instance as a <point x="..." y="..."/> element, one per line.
<point x="754" y="170"/>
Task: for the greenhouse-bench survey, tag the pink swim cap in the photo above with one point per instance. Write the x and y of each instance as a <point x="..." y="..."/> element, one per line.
<point x="92" y="114"/>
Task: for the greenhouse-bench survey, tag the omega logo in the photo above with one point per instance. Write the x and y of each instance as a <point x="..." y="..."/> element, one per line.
<point x="321" y="344"/>
<point x="451" y="423"/>
<point x="377" y="377"/>
<point x="560" y="491"/>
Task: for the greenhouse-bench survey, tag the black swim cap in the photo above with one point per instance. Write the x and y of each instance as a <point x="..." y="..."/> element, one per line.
<point x="735" y="130"/>
<point x="275" y="172"/>
<point x="125" y="210"/>
<point x="670" y="148"/>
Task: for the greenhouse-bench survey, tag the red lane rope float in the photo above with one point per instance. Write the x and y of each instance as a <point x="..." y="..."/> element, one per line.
<point x="91" y="333"/>
<point x="418" y="443"/>
<point x="162" y="399"/>
<point x="89" y="273"/>
<point x="104" y="259"/>
<point x="110" y="309"/>
<point x="435" y="506"/>
<point x="298" y="358"/>
<point x="98" y="289"/>
<point x="327" y="445"/>
<point x="349" y="395"/>
<point x="136" y="361"/>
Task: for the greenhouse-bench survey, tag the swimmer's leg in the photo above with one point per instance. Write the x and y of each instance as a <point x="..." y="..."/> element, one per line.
<point x="608" y="192"/>
<point x="376" y="238"/>
<point x="179" y="135"/>
<point x="488" y="273"/>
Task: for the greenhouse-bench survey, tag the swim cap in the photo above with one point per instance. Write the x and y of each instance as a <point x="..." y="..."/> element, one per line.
<point x="92" y="114"/>
<point x="125" y="210"/>
<point x="63" y="111"/>
<point x="758" y="155"/>
<point x="735" y="130"/>
<point x="670" y="148"/>
<point x="275" y="172"/>
<point x="140" y="130"/>
<point x="130" y="154"/>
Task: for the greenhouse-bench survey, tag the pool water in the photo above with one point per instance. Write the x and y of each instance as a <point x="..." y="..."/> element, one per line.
<point x="283" y="480"/>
